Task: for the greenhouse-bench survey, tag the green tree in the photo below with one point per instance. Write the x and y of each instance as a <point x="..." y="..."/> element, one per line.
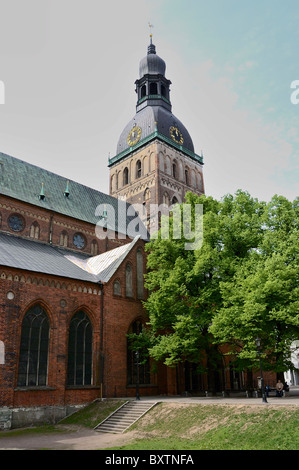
<point x="184" y="285"/>
<point x="262" y="297"/>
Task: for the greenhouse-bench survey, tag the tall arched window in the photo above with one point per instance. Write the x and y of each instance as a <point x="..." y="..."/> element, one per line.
<point x="33" y="359"/>
<point x="126" y="176"/>
<point x="186" y="176"/>
<point x="138" y="169"/>
<point x="129" y="283"/>
<point x="153" y="89"/>
<point x="79" y="371"/>
<point x="143" y="91"/>
<point x="139" y="267"/>
<point x="143" y="367"/>
<point x="174" y="170"/>
<point x="112" y="183"/>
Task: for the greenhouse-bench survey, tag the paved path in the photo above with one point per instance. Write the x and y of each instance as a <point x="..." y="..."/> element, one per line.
<point x="84" y="439"/>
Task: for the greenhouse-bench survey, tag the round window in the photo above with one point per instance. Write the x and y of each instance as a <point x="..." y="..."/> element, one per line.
<point x="16" y="223"/>
<point x="79" y="241"/>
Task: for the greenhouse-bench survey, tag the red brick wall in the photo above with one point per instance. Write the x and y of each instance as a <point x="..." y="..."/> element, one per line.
<point x="119" y="312"/>
<point x="51" y="225"/>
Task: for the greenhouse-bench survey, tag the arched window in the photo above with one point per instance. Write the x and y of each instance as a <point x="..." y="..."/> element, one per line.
<point x="129" y="283"/>
<point x="33" y="359"/>
<point x="199" y="181"/>
<point x="174" y="170"/>
<point x="143" y="366"/>
<point x="34" y="231"/>
<point x="126" y="176"/>
<point x="94" y="248"/>
<point x="79" y="371"/>
<point x="186" y="176"/>
<point x="116" y="288"/>
<point x="139" y="267"/>
<point x="138" y="169"/>
<point x="112" y="183"/>
<point x="143" y="91"/>
<point x="174" y="200"/>
<point x="63" y="240"/>
<point x="153" y="89"/>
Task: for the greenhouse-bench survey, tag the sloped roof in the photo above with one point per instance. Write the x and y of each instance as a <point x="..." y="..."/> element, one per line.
<point x="103" y="266"/>
<point x="29" y="255"/>
<point x="23" y="181"/>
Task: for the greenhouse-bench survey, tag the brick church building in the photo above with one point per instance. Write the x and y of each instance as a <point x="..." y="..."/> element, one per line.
<point x="72" y="261"/>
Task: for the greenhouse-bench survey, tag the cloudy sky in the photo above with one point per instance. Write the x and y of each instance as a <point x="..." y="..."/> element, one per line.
<point x="69" y="68"/>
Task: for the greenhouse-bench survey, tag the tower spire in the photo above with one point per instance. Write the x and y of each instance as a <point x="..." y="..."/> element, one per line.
<point x="151" y="27"/>
<point x="151" y="48"/>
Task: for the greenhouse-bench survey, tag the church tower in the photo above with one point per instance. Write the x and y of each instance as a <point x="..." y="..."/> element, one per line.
<point x="155" y="162"/>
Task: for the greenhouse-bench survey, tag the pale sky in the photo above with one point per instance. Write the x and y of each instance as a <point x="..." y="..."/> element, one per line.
<point x="69" y="68"/>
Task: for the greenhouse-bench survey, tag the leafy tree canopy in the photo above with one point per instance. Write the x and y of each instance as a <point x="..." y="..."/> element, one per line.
<point x="241" y="283"/>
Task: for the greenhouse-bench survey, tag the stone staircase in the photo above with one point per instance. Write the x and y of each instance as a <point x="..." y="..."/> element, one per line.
<point x="121" y="419"/>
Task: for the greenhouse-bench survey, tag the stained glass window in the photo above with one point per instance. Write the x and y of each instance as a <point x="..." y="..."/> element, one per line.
<point x="33" y="360"/>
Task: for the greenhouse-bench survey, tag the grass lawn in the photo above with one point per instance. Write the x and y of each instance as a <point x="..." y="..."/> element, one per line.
<point x="93" y="414"/>
<point x="217" y="427"/>
<point x="182" y="426"/>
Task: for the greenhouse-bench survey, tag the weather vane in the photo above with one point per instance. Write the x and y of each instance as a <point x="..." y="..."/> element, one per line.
<point x="150" y="27"/>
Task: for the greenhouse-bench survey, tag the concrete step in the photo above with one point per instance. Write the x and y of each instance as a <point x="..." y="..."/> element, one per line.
<point x="121" y="419"/>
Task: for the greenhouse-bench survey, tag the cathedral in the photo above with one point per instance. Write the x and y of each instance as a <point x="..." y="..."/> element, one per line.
<point x="72" y="265"/>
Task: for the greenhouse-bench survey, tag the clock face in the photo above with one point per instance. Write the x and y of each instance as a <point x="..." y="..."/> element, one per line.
<point x="134" y="136"/>
<point x="16" y="223"/>
<point x="79" y="241"/>
<point x="176" y="135"/>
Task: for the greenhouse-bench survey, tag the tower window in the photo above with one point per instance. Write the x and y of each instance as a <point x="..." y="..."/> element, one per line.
<point x="126" y="176"/>
<point x="153" y="89"/>
<point x="163" y="91"/>
<point x="174" y="170"/>
<point x="166" y="199"/>
<point x="138" y="169"/>
<point x="143" y="91"/>
<point x="186" y="177"/>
